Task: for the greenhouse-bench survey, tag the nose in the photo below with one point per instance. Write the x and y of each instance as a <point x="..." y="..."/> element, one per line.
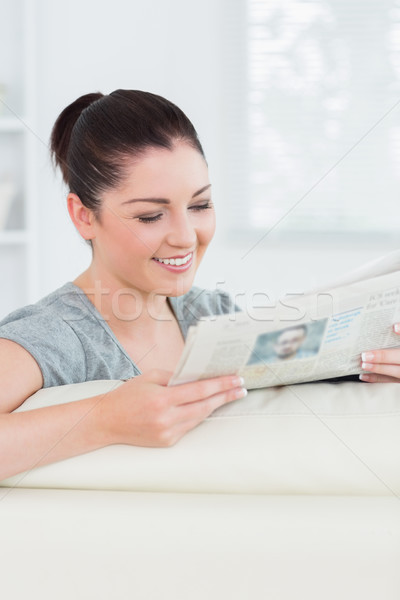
<point x="182" y="234"/>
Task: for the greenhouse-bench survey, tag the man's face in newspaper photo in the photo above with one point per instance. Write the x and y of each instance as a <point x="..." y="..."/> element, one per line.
<point x="289" y="342"/>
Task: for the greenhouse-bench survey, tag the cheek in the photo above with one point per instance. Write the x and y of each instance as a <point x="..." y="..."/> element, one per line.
<point x="138" y="241"/>
<point x="207" y="231"/>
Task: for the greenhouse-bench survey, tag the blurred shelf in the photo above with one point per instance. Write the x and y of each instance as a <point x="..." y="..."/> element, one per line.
<point x="18" y="242"/>
<point x="11" y="124"/>
<point x="13" y="237"/>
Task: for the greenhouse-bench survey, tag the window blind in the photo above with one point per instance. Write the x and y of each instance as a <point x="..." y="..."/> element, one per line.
<point x="316" y="116"/>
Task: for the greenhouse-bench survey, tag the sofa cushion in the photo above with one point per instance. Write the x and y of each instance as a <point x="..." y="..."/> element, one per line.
<point x="84" y="545"/>
<point x="316" y="438"/>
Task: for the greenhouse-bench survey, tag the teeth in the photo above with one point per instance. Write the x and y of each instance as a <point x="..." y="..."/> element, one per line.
<point x="175" y="261"/>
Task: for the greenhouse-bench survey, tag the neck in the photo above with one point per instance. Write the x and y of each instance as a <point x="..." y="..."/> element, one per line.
<point x="124" y="308"/>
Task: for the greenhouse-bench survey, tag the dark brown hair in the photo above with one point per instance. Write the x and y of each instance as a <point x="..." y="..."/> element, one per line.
<point x="94" y="136"/>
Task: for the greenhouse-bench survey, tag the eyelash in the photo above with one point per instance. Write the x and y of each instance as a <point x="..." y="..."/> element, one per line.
<point x="197" y="207"/>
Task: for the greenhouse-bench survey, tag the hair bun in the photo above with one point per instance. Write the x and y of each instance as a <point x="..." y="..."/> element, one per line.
<point x="62" y="130"/>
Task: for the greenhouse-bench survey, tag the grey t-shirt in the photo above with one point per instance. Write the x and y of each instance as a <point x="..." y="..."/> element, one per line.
<point x="71" y="342"/>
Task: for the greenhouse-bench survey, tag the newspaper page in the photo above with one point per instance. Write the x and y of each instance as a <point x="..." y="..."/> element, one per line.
<point x="318" y="336"/>
<point x="389" y="263"/>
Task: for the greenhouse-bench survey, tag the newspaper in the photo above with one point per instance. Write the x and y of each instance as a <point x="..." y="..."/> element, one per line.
<point x="319" y="335"/>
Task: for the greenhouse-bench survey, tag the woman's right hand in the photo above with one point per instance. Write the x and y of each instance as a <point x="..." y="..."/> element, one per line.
<point x="144" y="411"/>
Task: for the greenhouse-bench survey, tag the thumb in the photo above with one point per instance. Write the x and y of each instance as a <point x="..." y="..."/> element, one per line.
<point x="158" y="376"/>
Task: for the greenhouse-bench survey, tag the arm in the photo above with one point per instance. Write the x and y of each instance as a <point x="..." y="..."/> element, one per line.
<point x="20" y="375"/>
<point x="37" y="437"/>
<point x="141" y="412"/>
<point x="45" y="435"/>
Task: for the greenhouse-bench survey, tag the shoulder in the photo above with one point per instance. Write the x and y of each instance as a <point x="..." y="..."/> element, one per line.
<point x="60" y="304"/>
<point x="68" y="338"/>
<point x="45" y="329"/>
<point x="199" y="302"/>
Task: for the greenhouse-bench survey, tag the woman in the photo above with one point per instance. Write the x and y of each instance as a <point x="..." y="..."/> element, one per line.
<point x="140" y="195"/>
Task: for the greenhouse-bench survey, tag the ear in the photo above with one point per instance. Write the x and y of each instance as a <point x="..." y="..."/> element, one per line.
<point x="81" y="216"/>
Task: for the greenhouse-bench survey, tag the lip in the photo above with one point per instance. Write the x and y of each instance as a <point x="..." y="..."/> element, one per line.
<point x="176" y="256"/>
<point x="177" y="268"/>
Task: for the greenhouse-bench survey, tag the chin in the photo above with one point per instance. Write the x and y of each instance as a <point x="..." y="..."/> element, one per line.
<point x="182" y="287"/>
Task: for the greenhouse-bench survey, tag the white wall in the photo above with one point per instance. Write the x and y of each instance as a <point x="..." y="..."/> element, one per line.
<point x="172" y="48"/>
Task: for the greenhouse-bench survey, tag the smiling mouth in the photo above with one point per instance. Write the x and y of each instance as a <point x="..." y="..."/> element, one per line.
<point x="177" y="264"/>
<point x="177" y="261"/>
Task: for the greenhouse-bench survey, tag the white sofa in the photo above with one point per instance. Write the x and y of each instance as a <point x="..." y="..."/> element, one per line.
<point x="288" y="493"/>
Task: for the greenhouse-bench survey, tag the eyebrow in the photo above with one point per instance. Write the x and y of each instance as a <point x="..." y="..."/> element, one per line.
<point x="165" y="200"/>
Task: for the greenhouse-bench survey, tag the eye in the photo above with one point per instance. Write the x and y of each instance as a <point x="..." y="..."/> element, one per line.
<point x="204" y="206"/>
<point x="154" y="218"/>
<point x="149" y="219"/>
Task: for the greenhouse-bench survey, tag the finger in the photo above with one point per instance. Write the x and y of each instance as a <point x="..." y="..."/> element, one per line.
<point x="201" y="409"/>
<point x="396" y="327"/>
<point x="198" y="390"/>
<point x="390" y="370"/>
<point x="391" y="356"/>
<point x="375" y="378"/>
<point x="194" y="413"/>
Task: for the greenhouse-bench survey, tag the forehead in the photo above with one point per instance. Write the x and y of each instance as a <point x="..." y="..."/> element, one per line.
<point x="291" y="334"/>
<point x="159" y="169"/>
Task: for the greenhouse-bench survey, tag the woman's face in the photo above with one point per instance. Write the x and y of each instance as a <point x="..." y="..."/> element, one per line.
<point x="154" y="229"/>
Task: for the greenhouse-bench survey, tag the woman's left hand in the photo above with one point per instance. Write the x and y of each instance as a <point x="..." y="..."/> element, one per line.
<point x="383" y="366"/>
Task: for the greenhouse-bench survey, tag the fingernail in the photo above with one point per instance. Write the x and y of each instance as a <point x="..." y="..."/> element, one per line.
<point x="238" y="382"/>
<point x="364" y="377"/>
<point x="242" y="393"/>
<point x="366" y="356"/>
<point x="396" y="327"/>
<point x="367" y="366"/>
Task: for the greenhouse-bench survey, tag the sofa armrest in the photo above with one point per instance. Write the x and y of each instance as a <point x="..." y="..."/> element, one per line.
<point x="322" y="438"/>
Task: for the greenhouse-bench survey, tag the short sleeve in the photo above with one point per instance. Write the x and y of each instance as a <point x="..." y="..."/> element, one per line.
<point x="53" y="344"/>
